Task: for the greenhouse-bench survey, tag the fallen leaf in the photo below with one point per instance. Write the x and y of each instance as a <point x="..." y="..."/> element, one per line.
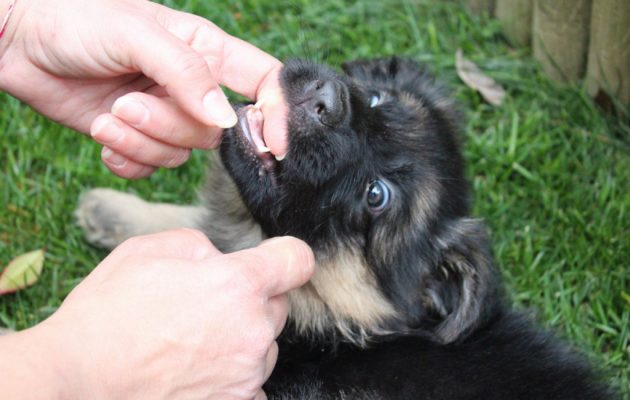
<point x="472" y="76"/>
<point x="22" y="271"/>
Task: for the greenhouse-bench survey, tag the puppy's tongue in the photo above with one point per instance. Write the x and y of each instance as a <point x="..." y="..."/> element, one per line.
<point x="251" y="122"/>
<point x="255" y="123"/>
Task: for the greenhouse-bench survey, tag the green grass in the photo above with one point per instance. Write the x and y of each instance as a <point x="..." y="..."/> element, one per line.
<point x="551" y="173"/>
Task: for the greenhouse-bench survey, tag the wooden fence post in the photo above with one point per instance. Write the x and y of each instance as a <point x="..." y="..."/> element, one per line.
<point x="516" y="19"/>
<point x="560" y="37"/>
<point x="480" y="6"/>
<point x="609" y="52"/>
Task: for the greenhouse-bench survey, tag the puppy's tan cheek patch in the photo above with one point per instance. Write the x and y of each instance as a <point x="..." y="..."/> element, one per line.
<point x="342" y="294"/>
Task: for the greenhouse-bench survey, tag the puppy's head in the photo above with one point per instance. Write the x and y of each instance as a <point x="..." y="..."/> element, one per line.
<point x="373" y="181"/>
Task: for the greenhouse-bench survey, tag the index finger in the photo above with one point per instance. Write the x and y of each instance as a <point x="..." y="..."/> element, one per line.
<point x="262" y="81"/>
<point x="235" y="63"/>
<point x="277" y="265"/>
<point x="243" y="68"/>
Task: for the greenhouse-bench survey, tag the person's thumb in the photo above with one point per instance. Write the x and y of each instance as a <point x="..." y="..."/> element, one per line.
<point x="277" y="265"/>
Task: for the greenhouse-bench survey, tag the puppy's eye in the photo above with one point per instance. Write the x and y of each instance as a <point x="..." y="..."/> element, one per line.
<point x="375" y="99"/>
<point x="377" y="195"/>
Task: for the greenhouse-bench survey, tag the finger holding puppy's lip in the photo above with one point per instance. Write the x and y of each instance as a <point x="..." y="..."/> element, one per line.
<point x="275" y="111"/>
<point x="162" y="119"/>
<point x="156" y="132"/>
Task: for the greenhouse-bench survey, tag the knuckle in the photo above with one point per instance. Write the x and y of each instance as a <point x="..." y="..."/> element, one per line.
<point x="210" y="139"/>
<point x="139" y="171"/>
<point x="191" y="64"/>
<point x="170" y="131"/>
<point x="246" y="275"/>
<point x="99" y="123"/>
<point x="136" y="244"/>
<point x="150" y="244"/>
<point x="177" y="159"/>
<point x="194" y="236"/>
<point x="132" y="144"/>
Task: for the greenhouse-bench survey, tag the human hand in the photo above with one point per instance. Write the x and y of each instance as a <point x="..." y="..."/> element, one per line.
<point x="169" y="316"/>
<point x="141" y="77"/>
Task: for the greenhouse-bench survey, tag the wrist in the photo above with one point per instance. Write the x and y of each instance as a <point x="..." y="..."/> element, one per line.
<point x="11" y="12"/>
<point x="31" y="366"/>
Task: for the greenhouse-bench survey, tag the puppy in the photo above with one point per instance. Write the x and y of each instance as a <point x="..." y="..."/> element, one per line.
<point x="405" y="302"/>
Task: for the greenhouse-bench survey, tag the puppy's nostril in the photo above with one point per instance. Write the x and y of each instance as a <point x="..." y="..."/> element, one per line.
<point x="320" y="108"/>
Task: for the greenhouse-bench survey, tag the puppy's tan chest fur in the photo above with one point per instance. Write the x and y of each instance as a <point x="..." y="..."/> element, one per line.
<point x="342" y="294"/>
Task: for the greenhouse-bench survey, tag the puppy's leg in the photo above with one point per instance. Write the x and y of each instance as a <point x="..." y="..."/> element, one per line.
<point x="109" y="217"/>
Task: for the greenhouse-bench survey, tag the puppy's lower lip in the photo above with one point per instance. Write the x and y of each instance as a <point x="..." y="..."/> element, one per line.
<point x="250" y="125"/>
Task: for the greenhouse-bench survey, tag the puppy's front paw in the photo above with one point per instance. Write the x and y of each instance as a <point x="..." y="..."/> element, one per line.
<point x="107" y="216"/>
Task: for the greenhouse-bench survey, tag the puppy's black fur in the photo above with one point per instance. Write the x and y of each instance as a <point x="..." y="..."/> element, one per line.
<point x="406" y="302"/>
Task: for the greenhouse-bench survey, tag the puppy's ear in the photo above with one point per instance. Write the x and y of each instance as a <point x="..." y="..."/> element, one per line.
<point x="366" y="69"/>
<point x="463" y="286"/>
<point x="401" y="71"/>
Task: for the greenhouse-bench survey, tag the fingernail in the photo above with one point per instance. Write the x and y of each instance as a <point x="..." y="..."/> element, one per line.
<point x="130" y="110"/>
<point x="112" y="158"/>
<point x="298" y="247"/>
<point x="219" y="109"/>
<point x="107" y="132"/>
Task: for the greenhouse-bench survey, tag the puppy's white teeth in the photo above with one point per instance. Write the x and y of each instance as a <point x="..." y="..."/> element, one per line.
<point x="280" y="158"/>
<point x="264" y="149"/>
<point x="259" y="103"/>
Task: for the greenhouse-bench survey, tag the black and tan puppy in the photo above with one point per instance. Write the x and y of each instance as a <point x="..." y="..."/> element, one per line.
<point x="405" y="302"/>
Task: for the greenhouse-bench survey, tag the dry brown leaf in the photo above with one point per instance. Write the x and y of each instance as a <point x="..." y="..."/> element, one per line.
<point x="472" y="76"/>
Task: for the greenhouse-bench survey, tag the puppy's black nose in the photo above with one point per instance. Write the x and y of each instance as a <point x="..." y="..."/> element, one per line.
<point x="326" y="101"/>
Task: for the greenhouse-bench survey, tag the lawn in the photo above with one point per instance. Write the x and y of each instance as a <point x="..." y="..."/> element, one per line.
<point x="550" y="172"/>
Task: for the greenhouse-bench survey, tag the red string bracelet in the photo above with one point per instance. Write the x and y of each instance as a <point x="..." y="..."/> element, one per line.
<point x="6" y="17"/>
